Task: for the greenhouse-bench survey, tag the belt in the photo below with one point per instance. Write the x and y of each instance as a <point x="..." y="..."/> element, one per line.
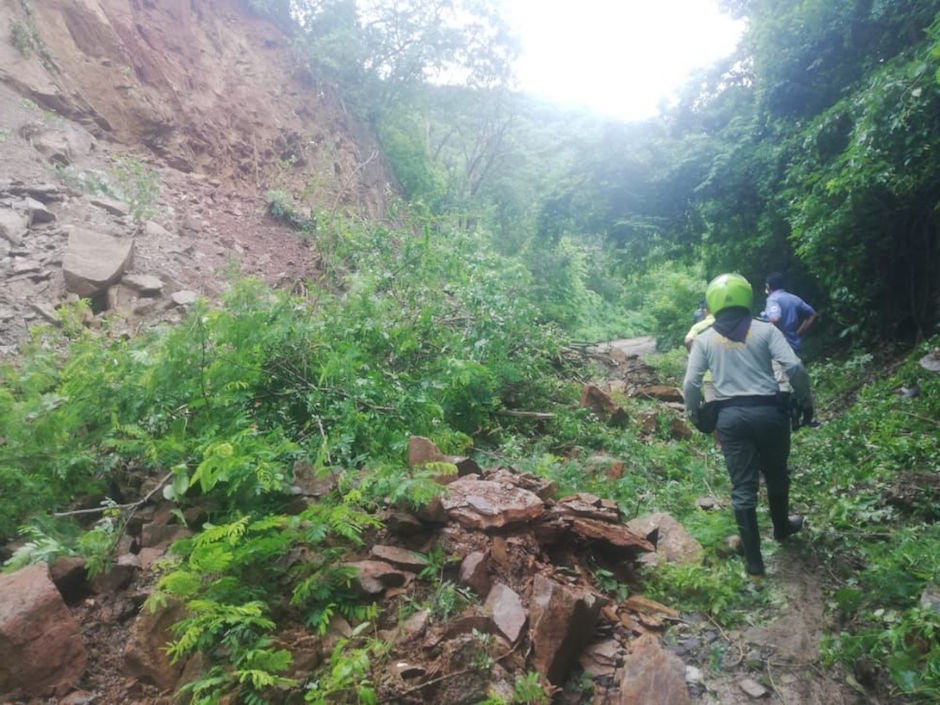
<point x="749" y="400"/>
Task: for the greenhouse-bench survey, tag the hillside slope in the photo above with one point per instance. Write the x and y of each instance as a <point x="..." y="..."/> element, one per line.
<point x="206" y="108"/>
<point x="207" y="86"/>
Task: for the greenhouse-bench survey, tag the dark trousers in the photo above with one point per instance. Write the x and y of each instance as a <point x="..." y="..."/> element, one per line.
<point x="754" y="440"/>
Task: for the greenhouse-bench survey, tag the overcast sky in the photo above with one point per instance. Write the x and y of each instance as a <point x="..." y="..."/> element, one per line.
<point x="619" y="57"/>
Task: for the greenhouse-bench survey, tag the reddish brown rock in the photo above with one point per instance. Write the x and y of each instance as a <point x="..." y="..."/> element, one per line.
<point x="660" y="392"/>
<point x="614" y="535"/>
<point x="41" y="648"/>
<point x="70" y="577"/>
<point x="154" y="534"/>
<point x="590" y="506"/>
<point x="307" y="482"/>
<point x="673" y="543"/>
<point x="601" y="658"/>
<point x="149" y="556"/>
<point x="652" y="675"/>
<point x="505" y="608"/>
<point x="484" y="504"/>
<point x="422" y="450"/>
<point x="679" y="429"/>
<point x="606" y="465"/>
<point x="415" y="626"/>
<point x="399" y="556"/>
<point x="648" y="422"/>
<point x="541" y="487"/>
<point x="145" y="654"/>
<point x="374" y="576"/>
<point x="118" y="576"/>
<point x="601" y="403"/>
<point x="465" y="466"/>
<point x="474" y="573"/>
<point x="562" y="623"/>
<point x="433" y="512"/>
<point x="404" y="524"/>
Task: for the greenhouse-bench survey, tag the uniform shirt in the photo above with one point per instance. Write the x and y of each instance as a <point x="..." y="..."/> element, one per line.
<point x="743" y="369"/>
<point x="704" y="324"/>
<point x="787" y="311"/>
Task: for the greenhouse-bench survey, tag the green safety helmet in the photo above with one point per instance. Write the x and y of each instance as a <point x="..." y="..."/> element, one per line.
<point x="727" y="291"/>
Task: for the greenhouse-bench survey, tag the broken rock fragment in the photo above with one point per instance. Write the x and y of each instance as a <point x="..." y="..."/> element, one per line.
<point x="399" y="556"/>
<point x="474" y="573"/>
<point x="373" y="577"/>
<point x="661" y="392"/>
<point x="652" y="675"/>
<point x="484" y="504"/>
<point x="93" y="261"/>
<point x="37" y="211"/>
<point x="144" y="284"/>
<point x="145" y="654"/>
<point x="506" y="610"/>
<point x="562" y="623"/>
<point x="601" y="403"/>
<point x="673" y="543"/>
<point x="614" y="535"/>
<point x="13" y="226"/>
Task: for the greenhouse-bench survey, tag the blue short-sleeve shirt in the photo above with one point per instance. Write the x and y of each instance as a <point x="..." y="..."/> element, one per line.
<point x="787" y="311"/>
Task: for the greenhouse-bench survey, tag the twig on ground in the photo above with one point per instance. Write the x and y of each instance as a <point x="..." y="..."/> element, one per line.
<point x="724" y="635"/>
<point x="773" y="685"/>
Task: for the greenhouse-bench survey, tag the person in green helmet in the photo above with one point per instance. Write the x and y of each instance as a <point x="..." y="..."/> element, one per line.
<point x="753" y="426"/>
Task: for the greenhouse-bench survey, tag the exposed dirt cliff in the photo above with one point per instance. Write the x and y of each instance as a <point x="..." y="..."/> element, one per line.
<point x="207" y="86"/>
<point x="208" y="106"/>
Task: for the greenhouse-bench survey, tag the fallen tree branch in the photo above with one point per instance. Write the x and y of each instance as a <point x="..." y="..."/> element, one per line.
<point x="540" y="415"/>
<point x="129" y="505"/>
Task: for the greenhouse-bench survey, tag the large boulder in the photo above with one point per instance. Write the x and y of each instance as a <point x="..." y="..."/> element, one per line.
<point x="41" y="649"/>
<point x="561" y="624"/>
<point x="94" y="261"/>
<point x="652" y="675"/>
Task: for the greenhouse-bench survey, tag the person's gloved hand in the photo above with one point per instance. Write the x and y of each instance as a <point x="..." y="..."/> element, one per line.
<point x="808" y="414"/>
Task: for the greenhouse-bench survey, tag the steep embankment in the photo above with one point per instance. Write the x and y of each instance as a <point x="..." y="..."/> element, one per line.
<point x="213" y="109"/>
<point x="207" y="86"/>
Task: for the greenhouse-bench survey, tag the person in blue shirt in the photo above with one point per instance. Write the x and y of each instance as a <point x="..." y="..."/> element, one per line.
<point x="787" y="311"/>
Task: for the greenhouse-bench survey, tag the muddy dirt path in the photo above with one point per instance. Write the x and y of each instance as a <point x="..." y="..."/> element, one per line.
<point x="782" y="657"/>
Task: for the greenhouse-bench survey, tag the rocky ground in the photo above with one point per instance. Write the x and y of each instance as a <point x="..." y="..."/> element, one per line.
<point x="204" y="108"/>
<point x="527" y="564"/>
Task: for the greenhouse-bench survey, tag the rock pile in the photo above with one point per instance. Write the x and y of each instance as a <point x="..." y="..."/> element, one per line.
<point x="48" y="260"/>
<point x="535" y="582"/>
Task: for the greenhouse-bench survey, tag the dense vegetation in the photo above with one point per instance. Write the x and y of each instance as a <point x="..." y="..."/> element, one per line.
<point x="815" y="151"/>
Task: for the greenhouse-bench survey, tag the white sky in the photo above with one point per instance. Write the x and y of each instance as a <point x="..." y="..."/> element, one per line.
<point x="621" y="58"/>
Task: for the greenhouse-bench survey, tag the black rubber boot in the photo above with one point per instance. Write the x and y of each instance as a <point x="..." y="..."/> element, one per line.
<point x="750" y="539"/>
<point x="785" y="524"/>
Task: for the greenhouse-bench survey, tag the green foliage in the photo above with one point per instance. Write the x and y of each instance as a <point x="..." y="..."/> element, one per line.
<point x="137" y="186"/>
<point x="282" y="208"/>
<point x="40" y="547"/>
<point x="528" y="690"/>
<point x="23" y="37"/>
<point x="847" y="469"/>
<point x="347" y="678"/>
<point x="722" y="591"/>
<point x="84" y="181"/>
